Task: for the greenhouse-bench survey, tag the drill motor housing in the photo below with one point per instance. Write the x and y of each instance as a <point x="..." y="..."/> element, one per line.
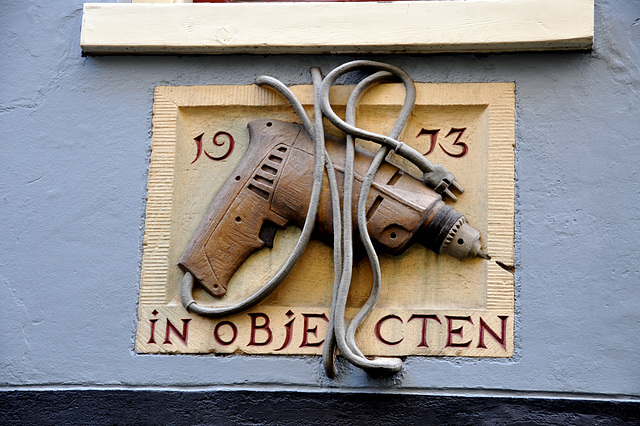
<point x="270" y="190"/>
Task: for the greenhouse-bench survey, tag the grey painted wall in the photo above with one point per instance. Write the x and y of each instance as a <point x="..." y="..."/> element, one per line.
<point x="75" y="135"/>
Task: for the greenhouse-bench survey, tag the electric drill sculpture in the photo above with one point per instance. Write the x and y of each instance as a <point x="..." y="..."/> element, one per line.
<point x="273" y="188"/>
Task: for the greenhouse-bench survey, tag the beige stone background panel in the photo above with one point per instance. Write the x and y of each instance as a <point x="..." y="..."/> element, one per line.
<point x="416" y="281"/>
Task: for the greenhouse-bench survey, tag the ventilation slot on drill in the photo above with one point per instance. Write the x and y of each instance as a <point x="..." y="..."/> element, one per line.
<point x="282" y="149"/>
<point x="269" y="169"/>
<point x="261" y="192"/>
<point x="396" y="176"/>
<point x="263" y="180"/>
<point x="275" y="159"/>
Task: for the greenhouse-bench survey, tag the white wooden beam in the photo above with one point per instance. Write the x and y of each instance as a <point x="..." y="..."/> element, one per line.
<point x="318" y="27"/>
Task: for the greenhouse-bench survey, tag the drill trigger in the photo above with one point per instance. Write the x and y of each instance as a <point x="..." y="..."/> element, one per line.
<point x="268" y="233"/>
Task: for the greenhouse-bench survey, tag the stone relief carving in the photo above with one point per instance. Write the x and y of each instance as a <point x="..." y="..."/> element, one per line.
<point x="315" y="177"/>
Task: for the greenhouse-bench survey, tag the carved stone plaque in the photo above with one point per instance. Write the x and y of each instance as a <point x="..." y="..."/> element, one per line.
<point x="430" y="304"/>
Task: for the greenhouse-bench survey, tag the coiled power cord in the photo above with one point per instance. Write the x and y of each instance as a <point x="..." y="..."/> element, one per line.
<point x="339" y="334"/>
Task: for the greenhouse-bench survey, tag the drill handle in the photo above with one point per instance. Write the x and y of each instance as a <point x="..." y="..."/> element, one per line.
<point x="246" y="226"/>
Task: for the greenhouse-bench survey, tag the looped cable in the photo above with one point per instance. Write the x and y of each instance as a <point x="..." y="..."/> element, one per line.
<point x="435" y="176"/>
<point x="345" y="339"/>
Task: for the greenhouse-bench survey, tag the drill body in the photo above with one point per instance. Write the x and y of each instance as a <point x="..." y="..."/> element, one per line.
<point x="270" y="190"/>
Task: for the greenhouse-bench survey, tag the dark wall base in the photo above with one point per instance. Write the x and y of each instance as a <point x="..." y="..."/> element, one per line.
<point x="245" y="407"/>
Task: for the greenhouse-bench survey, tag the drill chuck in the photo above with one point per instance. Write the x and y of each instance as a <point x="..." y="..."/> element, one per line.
<point x="449" y="233"/>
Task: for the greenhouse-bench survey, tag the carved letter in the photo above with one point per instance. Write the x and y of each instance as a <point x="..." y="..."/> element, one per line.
<point x="172" y="328"/>
<point x="152" y="331"/>
<point x="224" y="156"/>
<point x="458" y="331"/>
<point x="464" y="147"/>
<point x="229" y="150"/>
<point x="484" y="326"/>
<point x="313" y="330"/>
<point x="425" y="319"/>
<point x="216" y="332"/>
<point x="288" y="327"/>
<point x="198" y="140"/>
<point x="379" y="325"/>
<point x="264" y="327"/>
<point x="433" y="137"/>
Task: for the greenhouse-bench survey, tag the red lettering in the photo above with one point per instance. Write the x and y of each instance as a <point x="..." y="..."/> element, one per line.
<point x="198" y="140"/>
<point x="288" y="326"/>
<point x="264" y="326"/>
<point x="425" y="319"/>
<point x="433" y="137"/>
<point x="313" y="330"/>
<point x="152" y="326"/>
<point x="152" y="332"/>
<point x="379" y="326"/>
<point x="458" y="331"/>
<point x="224" y="156"/>
<point x="216" y="332"/>
<point x="172" y="328"/>
<point x="462" y="145"/>
<point x="484" y="326"/>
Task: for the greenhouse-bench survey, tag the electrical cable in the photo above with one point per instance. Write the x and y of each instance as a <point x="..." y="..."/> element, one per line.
<point x="435" y="176"/>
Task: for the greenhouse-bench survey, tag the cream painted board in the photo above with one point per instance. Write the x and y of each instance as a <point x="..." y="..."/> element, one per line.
<point x="474" y="296"/>
<point x="319" y="27"/>
<point x="161" y="1"/>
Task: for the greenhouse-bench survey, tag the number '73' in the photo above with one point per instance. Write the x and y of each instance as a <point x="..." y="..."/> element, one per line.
<point x="433" y="135"/>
